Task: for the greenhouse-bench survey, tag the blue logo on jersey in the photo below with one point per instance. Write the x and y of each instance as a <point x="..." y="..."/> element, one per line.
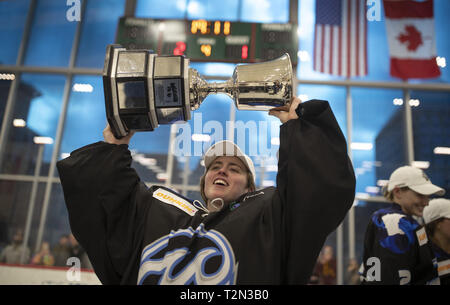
<point x="398" y="243"/>
<point x="168" y="260"/>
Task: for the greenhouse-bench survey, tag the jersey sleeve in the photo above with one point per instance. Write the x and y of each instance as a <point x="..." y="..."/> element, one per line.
<point x="100" y="190"/>
<point x="316" y="184"/>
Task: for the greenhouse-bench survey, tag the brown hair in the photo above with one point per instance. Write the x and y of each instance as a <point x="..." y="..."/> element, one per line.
<point x="389" y="195"/>
<point x="431" y="227"/>
<point x="250" y="184"/>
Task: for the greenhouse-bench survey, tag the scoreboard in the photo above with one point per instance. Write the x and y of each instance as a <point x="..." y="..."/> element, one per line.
<point x="213" y="41"/>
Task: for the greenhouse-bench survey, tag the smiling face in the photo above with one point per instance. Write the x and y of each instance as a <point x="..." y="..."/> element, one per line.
<point x="226" y="178"/>
<point x="412" y="203"/>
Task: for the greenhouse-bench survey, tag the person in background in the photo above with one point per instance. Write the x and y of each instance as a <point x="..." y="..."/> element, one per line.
<point x="44" y="257"/>
<point x="352" y="273"/>
<point x="75" y="250"/>
<point x="12" y="254"/>
<point x="391" y="255"/>
<point x="61" y="251"/>
<point x="314" y="278"/>
<point x="437" y="225"/>
<point x="325" y="268"/>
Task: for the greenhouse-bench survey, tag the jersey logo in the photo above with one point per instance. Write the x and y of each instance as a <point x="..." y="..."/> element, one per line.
<point x="391" y="222"/>
<point x="422" y="237"/>
<point x="172" y="199"/>
<point x="170" y="260"/>
<point x="395" y="231"/>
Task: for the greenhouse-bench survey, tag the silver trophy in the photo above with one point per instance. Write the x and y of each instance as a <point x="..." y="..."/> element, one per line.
<point x="143" y="90"/>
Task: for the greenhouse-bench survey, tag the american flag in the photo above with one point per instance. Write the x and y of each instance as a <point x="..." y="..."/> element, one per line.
<point x="340" y="46"/>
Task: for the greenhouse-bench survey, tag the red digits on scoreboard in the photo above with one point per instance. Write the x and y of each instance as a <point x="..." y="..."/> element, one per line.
<point x="180" y="48"/>
<point x="244" y="52"/>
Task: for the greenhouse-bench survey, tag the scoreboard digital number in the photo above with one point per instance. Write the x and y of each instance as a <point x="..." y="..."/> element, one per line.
<point x="214" y="41"/>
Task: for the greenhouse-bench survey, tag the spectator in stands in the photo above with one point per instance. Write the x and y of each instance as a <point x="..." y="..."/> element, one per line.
<point x="77" y="251"/>
<point x="44" y="257"/>
<point x="314" y="278"/>
<point x="325" y="269"/>
<point x="12" y="254"/>
<point x="352" y="274"/>
<point x="61" y="251"/>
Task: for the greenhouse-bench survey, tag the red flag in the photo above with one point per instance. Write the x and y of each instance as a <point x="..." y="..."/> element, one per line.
<point x="340" y="39"/>
<point x="411" y="37"/>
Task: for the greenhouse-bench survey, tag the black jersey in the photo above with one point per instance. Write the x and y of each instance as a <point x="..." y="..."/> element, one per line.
<point x="438" y="267"/>
<point x="441" y="263"/>
<point x="139" y="235"/>
<point x="394" y="253"/>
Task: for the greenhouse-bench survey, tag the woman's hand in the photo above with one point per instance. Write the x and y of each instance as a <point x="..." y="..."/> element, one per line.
<point x="287" y="112"/>
<point x="111" y="139"/>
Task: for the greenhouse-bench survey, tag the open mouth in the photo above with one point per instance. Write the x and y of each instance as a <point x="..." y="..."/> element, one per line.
<point x="220" y="182"/>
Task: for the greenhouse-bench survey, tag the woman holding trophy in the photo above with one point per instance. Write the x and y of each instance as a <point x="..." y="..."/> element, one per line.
<point x="239" y="235"/>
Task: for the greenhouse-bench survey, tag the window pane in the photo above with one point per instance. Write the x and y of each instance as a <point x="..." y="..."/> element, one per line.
<point x="98" y="31"/>
<point x="196" y="169"/>
<point x="378" y="137"/>
<point x="4" y="90"/>
<point x="86" y="116"/>
<point x="265" y="11"/>
<point x="431" y="130"/>
<point x="13" y="15"/>
<point x="213" y="69"/>
<point x="57" y="225"/>
<point x="51" y="33"/>
<point x="254" y="133"/>
<point x="210" y="119"/>
<point x="335" y="97"/>
<point x="14" y="205"/>
<point x="161" y="9"/>
<point x="194" y="195"/>
<point x="38" y="104"/>
<point x="208" y="124"/>
<point x="213" y="10"/>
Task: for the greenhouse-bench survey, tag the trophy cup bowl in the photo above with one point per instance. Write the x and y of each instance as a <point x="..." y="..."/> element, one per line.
<point x="260" y="86"/>
<point x="143" y="90"/>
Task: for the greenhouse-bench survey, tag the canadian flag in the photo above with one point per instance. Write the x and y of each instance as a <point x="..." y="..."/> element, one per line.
<point x="411" y="37"/>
